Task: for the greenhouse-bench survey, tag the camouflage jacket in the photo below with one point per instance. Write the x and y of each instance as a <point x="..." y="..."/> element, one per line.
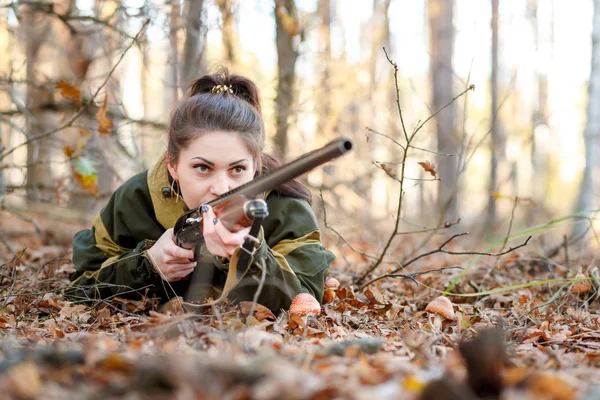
<point x="110" y="257"/>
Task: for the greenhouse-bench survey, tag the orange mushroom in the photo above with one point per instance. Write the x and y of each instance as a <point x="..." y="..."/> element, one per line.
<point x="441" y="306"/>
<point x="581" y="287"/>
<point x="331" y="286"/>
<point x="305" y="304"/>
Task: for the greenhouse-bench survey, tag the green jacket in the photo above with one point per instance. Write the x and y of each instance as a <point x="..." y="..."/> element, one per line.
<point x="110" y="258"/>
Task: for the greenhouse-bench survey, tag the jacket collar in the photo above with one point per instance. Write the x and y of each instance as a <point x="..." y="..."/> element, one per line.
<point x="167" y="209"/>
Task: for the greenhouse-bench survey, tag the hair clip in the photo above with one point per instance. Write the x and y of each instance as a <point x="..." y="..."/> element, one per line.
<point x="221" y="89"/>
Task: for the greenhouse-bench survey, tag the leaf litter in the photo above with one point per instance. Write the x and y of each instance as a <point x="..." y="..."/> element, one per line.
<point x="381" y="342"/>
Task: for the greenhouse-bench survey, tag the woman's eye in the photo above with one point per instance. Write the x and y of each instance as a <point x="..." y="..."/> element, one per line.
<point x="201" y="168"/>
<point x="237" y="170"/>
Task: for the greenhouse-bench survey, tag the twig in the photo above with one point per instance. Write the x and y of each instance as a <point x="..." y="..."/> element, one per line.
<point x="85" y="106"/>
<point x="446" y="225"/>
<point x="441" y="250"/>
<point x="408" y="139"/>
<point x="512" y="217"/>
<point x="418" y="128"/>
<point x="263" y="277"/>
<point x="566" y="246"/>
<point x="6" y="242"/>
<point x="14" y="272"/>
<point x="339" y="234"/>
<point x="431" y="151"/>
<point x="510" y="224"/>
<point x="386" y="136"/>
<point x="414" y="275"/>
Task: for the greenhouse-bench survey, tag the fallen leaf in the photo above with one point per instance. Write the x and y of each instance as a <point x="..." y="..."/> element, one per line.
<point x="260" y="312"/>
<point x="24" y="380"/>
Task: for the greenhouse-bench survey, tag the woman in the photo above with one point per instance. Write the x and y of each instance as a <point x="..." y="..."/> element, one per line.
<point x="215" y="143"/>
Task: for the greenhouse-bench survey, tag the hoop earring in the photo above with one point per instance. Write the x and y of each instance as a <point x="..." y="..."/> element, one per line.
<point x="175" y="191"/>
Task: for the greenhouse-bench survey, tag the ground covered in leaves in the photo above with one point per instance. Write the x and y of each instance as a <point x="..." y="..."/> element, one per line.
<point x="374" y="343"/>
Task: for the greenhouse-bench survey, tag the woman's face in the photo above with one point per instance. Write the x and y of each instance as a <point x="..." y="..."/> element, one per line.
<point x="211" y="165"/>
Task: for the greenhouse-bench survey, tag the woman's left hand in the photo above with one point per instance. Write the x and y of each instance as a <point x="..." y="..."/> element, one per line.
<point x="219" y="240"/>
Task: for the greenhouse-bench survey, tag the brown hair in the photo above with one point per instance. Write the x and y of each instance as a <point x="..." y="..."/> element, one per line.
<point x="227" y="103"/>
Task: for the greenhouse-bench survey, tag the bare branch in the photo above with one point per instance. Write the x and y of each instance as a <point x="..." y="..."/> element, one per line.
<point x="85" y="106"/>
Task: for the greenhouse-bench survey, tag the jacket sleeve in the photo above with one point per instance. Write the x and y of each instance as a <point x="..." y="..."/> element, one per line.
<point x="100" y="276"/>
<point x="292" y="253"/>
<point x="110" y="257"/>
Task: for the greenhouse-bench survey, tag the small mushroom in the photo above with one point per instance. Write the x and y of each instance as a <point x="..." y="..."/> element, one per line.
<point x="331" y="286"/>
<point x="441" y="306"/>
<point x="305" y="304"/>
<point x="581" y="287"/>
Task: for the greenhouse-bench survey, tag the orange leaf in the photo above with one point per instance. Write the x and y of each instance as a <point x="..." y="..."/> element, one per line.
<point x="70" y="92"/>
<point x="388" y="170"/>
<point x="428" y="167"/>
<point x="104" y="123"/>
<point x="288" y="22"/>
<point x="260" y="312"/>
<point x="88" y="182"/>
<point x="68" y="150"/>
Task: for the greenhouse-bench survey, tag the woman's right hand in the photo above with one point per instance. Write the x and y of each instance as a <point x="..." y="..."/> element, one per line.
<point x="169" y="260"/>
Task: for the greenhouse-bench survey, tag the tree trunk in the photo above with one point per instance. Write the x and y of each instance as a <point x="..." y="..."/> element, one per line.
<point x="194" y="43"/>
<point x="497" y="146"/>
<point x="286" y="65"/>
<point x="35" y="27"/>
<point x="172" y="83"/>
<point x="591" y="133"/>
<point x="539" y="118"/>
<point x="381" y="85"/>
<point x="227" y="32"/>
<point x="441" y="31"/>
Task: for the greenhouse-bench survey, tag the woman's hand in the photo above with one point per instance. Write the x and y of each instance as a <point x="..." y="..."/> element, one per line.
<point x="219" y="240"/>
<point x="169" y="260"/>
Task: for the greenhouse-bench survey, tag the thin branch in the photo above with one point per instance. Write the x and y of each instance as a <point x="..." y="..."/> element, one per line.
<point x="387" y="137"/>
<point x="441" y="250"/>
<point x="431" y="151"/>
<point x="339" y="234"/>
<point x="85" y="106"/>
<point x="418" y="128"/>
<point x="446" y="225"/>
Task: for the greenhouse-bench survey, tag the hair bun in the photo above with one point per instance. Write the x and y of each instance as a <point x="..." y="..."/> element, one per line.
<point x="225" y="83"/>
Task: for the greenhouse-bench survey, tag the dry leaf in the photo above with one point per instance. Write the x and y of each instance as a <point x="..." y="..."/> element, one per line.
<point x="70" y="92"/>
<point x="289" y="23"/>
<point x="104" y="123"/>
<point x="68" y="150"/>
<point x="260" y="312"/>
<point x="428" y="167"/>
<point x="24" y="380"/>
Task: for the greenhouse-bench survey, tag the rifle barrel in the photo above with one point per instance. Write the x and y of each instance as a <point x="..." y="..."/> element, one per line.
<point x="289" y="171"/>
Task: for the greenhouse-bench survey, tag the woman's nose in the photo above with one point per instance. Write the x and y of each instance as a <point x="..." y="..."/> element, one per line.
<point x="219" y="186"/>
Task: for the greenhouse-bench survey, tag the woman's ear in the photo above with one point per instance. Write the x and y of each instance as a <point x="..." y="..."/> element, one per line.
<point x="171" y="166"/>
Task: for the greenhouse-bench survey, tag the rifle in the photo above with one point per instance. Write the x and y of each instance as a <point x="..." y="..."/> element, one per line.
<point x="240" y="207"/>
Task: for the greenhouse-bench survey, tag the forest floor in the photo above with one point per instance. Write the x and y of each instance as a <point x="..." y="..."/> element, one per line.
<point x="374" y="343"/>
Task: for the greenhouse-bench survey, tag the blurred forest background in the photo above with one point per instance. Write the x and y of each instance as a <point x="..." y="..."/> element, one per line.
<point x="86" y="87"/>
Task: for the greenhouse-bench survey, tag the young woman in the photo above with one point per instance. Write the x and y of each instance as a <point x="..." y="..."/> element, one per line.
<point x="215" y="143"/>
